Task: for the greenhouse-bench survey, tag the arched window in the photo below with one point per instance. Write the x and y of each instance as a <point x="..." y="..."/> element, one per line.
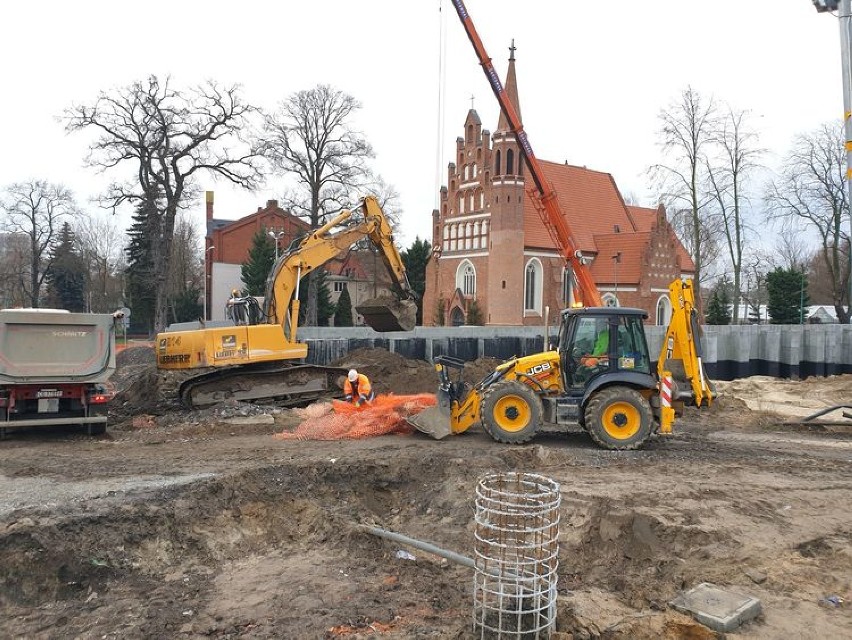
<point x="533" y="283"/>
<point x="467" y="172"/>
<point x="510" y="162"/>
<point x="446" y="232"/>
<point x="664" y="311"/>
<point x="470" y="133"/>
<point x="497" y="163"/>
<point x="481" y="199"/>
<point x="461" y="204"/>
<point x="466" y="278"/>
<point x="457" y="317"/>
<point x="471" y="203"/>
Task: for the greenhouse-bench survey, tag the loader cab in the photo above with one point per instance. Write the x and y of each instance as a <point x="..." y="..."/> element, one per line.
<point x="601" y="341"/>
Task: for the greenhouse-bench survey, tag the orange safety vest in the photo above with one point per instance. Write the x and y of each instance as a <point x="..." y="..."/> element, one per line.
<point x="362" y="387"/>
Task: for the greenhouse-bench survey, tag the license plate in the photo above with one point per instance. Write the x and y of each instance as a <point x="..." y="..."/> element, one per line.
<point x="48" y="393"/>
<point x="48" y="405"/>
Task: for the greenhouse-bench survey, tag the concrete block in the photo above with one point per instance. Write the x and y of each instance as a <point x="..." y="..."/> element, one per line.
<point x="717" y="608"/>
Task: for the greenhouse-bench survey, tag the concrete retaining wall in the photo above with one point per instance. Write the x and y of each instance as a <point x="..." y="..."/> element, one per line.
<point x="786" y="351"/>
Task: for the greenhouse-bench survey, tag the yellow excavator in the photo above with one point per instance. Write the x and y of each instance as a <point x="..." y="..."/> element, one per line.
<point x="257" y="357"/>
<point x="599" y="375"/>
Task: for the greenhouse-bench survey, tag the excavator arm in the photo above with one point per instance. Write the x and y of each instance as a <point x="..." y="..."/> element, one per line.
<point x="333" y="239"/>
<point x="680" y="366"/>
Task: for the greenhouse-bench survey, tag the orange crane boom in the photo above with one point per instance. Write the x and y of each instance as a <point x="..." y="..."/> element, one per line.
<point x="544" y="197"/>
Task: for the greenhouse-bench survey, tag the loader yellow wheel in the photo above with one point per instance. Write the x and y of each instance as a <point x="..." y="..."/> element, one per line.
<point x="511" y="412"/>
<point x="619" y="418"/>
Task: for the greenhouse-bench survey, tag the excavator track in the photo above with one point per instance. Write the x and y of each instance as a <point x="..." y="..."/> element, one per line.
<point x="286" y="385"/>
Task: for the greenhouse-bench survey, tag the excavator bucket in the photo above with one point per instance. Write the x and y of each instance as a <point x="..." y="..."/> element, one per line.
<point x="434" y="421"/>
<point x="387" y="313"/>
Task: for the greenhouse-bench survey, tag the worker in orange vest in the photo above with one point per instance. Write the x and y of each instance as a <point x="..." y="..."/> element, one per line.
<point x="358" y="388"/>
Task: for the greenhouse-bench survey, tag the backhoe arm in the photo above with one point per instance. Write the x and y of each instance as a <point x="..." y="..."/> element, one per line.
<point x="681" y="358"/>
<point x="331" y="240"/>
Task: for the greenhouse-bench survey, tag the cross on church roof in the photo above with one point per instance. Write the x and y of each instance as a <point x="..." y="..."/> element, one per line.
<point x="471" y="101"/>
<point x="512" y="50"/>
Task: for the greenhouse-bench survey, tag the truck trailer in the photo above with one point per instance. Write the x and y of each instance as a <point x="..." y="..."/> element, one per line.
<point x="55" y="368"/>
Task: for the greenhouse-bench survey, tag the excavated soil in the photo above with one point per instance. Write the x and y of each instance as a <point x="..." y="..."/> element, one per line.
<point x="180" y="524"/>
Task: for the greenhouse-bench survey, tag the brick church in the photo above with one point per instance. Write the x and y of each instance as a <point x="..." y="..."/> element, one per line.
<point x="493" y="256"/>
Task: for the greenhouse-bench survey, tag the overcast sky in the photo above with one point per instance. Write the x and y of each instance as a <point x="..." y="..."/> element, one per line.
<point x="592" y="76"/>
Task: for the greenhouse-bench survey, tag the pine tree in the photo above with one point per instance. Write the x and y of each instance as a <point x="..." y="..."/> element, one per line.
<point x="788" y="295"/>
<point x="141" y="283"/>
<point x="718" y="311"/>
<point x="343" y="311"/>
<point x="416" y="258"/>
<point x="325" y="307"/>
<point x="256" y="269"/>
<point x="187" y="305"/>
<point x="66" y="276"/>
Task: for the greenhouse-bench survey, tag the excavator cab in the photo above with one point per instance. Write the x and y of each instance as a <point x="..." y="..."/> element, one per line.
<point x="599" y="344"/>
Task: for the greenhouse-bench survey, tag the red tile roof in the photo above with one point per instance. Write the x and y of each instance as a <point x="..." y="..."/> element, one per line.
<point x="632" y="248"/>
<point x="589" y="200"/>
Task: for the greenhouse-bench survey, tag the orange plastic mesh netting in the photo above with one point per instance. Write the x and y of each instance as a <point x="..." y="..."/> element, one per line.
<point x="338" y="420"/>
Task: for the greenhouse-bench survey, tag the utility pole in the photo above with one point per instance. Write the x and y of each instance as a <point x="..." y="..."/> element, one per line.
<point x="844" y="16"/>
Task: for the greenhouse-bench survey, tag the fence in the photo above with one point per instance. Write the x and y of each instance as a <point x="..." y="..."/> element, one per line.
<point x="785" y="351"/>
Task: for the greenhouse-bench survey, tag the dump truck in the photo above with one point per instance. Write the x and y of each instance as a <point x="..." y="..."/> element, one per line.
<point x="55" y="368"/>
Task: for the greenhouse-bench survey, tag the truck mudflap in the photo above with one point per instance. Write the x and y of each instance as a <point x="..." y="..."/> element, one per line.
<point x="287" y="385"/>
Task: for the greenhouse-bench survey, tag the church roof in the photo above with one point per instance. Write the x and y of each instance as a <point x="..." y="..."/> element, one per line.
<point x="590" y="201"/>
<point x="631" y="246"/>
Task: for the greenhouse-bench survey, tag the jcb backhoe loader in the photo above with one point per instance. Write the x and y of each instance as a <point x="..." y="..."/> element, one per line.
<point x="257" y="357"/>
<point x="611" y="392"/>
<point x="599" y="376"/>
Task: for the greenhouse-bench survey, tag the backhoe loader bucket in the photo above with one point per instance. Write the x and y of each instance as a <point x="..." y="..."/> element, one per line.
<point x="387" y="313"/>
<point x="434" y="421"/>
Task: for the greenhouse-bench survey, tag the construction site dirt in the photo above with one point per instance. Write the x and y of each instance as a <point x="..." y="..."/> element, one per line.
<point x="182" y="524"/>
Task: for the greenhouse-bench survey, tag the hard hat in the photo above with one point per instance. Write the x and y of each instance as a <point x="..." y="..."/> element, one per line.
<point x="353" y="375"/>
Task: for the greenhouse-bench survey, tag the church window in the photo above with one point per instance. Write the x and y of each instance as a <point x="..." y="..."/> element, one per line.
<point x="664" y="311"/>
<point x="466" y="278"/>
<point x="461" y="204"/>
<point x="467" y="172"/>
<point x="446" y="232"/>
<point x="470" y="133"/>
<point x="474" y="170"/>
<point x="533" y="283"/>
<point x="471" y="203"/>
<point x="510" y="162"/>
<point x="481" y="200"/>
<point x="497" y="163"/>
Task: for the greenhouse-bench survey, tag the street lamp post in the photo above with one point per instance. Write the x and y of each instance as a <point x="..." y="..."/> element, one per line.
<point x="206" y="253"/>
<point x="616" y="259"/>
<point x="276" y="235"/>
<point x="844" y="15"/>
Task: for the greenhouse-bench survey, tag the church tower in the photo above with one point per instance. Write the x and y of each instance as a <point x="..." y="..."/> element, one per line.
<point x="506" y="248"/>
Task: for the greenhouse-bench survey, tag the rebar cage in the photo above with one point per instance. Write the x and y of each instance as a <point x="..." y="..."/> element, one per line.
<point x="516" y="556"/>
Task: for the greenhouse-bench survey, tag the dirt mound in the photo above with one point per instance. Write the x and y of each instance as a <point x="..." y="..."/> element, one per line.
<point x="790" y="398"/>
<point x="393" y="373"/>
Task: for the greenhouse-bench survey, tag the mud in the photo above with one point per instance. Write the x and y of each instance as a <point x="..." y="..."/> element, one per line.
<point x="182" y="524"/>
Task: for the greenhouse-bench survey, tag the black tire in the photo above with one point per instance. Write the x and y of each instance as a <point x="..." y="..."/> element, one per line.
<point x="619" y="418"/>
<point x="511" y="412"/>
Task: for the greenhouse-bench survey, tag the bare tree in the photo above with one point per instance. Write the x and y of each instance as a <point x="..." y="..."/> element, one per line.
<point x="37" y="209"/>
<point x="311" y="137"/>
<point x="14" y="258"/>
<point x="736" y="145"/>
<point x="101" y="244"/>
<point x="686" y="130"/>
<point x="811" y="192"/>
<point x="791" y="249"/>
<point x="167" y="137"/>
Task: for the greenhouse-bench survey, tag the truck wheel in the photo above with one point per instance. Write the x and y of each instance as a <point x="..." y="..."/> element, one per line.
<point x="619" y="418"/>
<point x="511" y="412"/>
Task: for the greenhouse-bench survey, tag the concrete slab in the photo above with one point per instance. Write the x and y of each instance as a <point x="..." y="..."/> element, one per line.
<point x="720" y="609"/>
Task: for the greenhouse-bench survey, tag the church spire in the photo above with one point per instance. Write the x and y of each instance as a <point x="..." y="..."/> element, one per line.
<point x="511" y="86"/>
